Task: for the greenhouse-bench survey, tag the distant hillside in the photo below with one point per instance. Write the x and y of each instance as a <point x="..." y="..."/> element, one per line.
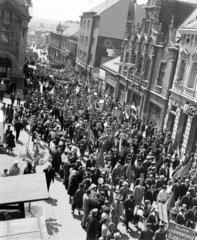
<point x="47" y="23"/>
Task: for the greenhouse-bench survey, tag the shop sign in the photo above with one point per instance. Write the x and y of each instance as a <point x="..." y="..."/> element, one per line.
<point x="116" y="113"/>
<point x="102" y="74"/>
<point x="179" y="232"/>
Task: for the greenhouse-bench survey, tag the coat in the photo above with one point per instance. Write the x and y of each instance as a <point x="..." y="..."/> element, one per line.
<point x="49" y="176"/>
<point x="78" y="198"/>
<point x="160" y="235"/>
<point x="86" y="204"/>
<point x="146" y="235"/>
<point x="129" y="209"/>
<point x="92" y="227"/>
<point x="151" y="196"/>
<point x="72" y="185"/>
<point x="180" y="219"/>
<point x="10" y="140"/>
<point x="138" y="194"/>
<point x="116" y="173"/>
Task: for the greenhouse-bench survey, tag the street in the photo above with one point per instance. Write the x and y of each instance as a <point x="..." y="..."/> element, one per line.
<point x="61" y="224"/>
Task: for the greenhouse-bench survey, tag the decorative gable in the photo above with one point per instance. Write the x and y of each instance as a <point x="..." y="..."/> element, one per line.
<point x="184" y="54"/>
<point x="194" y="57"/>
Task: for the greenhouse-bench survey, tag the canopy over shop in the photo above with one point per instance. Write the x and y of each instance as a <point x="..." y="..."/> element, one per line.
<point x="29" y="228"/>
<point x="21" y="189"/>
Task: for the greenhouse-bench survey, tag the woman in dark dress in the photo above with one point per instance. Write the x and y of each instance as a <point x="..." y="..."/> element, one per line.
<point x="72" y="184"/>
<point x="10" y="141"/>
<point x="78" y="199"/>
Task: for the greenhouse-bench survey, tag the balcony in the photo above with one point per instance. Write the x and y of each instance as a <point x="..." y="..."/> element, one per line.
<point x="158" y="89"/>
<point x="144" y="83"/>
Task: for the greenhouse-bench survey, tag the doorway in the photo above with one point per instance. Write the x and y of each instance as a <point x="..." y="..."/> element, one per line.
<point x="5" y="68"/>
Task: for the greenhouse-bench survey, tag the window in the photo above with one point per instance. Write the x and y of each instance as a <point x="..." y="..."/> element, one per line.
<point x="84" y="55"/>
<point x="81" y="53"/>
<point x="139" y="69"/>
<point x="134" y="59"/>
<point x="93" y="41"/>
<point x="84" y="23"/>
<point x="161" y="74"/>
<point x="89" y="23"/>
<point x="86" y="41"/>
<point x="82" y="40"/>
<point x="147" y="69"/>
<point x="193" y="76"/>
<point x="181" y="71"/>
<point x="6" y="35"/>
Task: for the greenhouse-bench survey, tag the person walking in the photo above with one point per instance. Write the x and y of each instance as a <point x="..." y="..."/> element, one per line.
<point x="86" y="207"/>
<point x="10" y="141"/>
<point x="14" y="170"/>
<point x="92" y="225"/>
<point x="12" y="97"/>
<point x="49" y="173"/>
<point x="18" y="126"/>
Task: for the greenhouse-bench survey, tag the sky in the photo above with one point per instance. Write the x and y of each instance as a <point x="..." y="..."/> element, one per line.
<point x="62" y="10"/>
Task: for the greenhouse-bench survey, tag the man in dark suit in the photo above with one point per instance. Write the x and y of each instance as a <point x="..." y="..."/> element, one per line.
<point x="180" y="218"/>
<point x="160" y="183"/>
<point x="184" y="188"/>
<point x="187" y="200"/>
<point x="151" y="194"/>
<point x="194" y="202"/>
<point x="150" y="181"/>
<point x="165" y="171"/>
<point x="177" y="189"/>
<point x="91" y="162"/>
<point x="191" y="214"/>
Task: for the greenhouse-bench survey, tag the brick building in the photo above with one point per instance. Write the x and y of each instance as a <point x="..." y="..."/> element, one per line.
<point x="149" y="59"/>
<point x="102" y="29"/>
<point x="14" y="18"/>
<point x="181" y="117"/>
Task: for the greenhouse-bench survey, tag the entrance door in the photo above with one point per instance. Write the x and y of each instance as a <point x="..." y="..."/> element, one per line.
<point x="171" y="120"/>
<point x="5" y="68"/>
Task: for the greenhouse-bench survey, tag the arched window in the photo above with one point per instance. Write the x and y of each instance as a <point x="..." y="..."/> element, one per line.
<point x="147" y="69"/>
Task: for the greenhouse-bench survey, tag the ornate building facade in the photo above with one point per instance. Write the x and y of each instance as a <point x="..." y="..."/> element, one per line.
<point x="149" y="59"/>
<point x="14" y="19"/>
<point x="181" y="117"/>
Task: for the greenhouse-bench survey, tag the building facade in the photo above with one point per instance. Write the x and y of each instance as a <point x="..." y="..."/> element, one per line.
<point x="149" y="59"/>
<point x="102" y="29"/>
<point x="14" y="18"/>
<point x="62" y="44"/>
<point x="181" y="117"/>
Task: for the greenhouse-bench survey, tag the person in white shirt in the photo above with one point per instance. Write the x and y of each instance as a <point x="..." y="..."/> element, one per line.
<point x="163" y="195"/>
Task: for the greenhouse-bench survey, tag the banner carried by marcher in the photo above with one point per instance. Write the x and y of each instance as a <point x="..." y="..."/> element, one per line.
<point x="163" y="212"/>
<point x="179" y="232"/>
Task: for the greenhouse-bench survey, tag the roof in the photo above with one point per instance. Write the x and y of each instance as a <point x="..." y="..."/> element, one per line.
<point x="23" y="188"/>
<point x="72" y="30"/>
<point x="26" y="228"/>
<point x="190" y="22"/>
<point x="103" y="6"/>
<point x="111" y="64"/>
<point x="179" y="9"/>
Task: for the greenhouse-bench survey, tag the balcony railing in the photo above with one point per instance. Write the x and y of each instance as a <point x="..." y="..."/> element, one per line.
<point x="158" y="89"/>
<point x="144" y="83"/>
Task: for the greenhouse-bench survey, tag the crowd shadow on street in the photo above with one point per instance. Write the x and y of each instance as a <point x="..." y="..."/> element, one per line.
<point x="52" y="226"/>
<point x="57" y="178"/>
<point x="19" y="142"/>
<point x="52" y="201"/>
<point x="78" y="217"/>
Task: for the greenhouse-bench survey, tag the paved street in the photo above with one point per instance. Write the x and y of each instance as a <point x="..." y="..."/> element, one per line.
<point x="61" y="224"/>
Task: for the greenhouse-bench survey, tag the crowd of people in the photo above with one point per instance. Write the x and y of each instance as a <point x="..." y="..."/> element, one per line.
<point x="115" y="169"/>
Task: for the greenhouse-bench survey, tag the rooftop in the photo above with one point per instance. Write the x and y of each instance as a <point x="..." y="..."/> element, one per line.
<point x="190" y="22"/>
<point x="103" y="6"/>
<point x="179" y="9"/>
<point x="111" y="64"/>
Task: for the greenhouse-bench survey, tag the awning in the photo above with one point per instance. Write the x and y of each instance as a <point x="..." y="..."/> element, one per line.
<point x="23" y="188"/>
<point x="27" y="228"/>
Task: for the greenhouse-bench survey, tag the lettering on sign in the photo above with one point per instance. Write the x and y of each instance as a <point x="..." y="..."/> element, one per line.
<point x="178" y="232"/>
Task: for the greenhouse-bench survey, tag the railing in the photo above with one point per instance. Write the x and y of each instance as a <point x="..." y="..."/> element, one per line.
<point x="158" y="89"/>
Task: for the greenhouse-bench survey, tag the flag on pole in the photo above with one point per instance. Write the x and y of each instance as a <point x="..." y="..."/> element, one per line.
<point x="111" y="196"/>
<point x="128" y="173"/>
<point x="41" y="87"/>
<point x="52" y="92"/>
<point x="170" y="202"/>
<point x="101" y="156"/>
<point x="184" y="170"/>
<point x="90" y="133"/>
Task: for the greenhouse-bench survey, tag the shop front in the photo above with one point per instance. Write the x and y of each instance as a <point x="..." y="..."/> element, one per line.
<point x="5" y="68"/>
<point x="111" y="81"/>
<point x="155" y="114"/>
